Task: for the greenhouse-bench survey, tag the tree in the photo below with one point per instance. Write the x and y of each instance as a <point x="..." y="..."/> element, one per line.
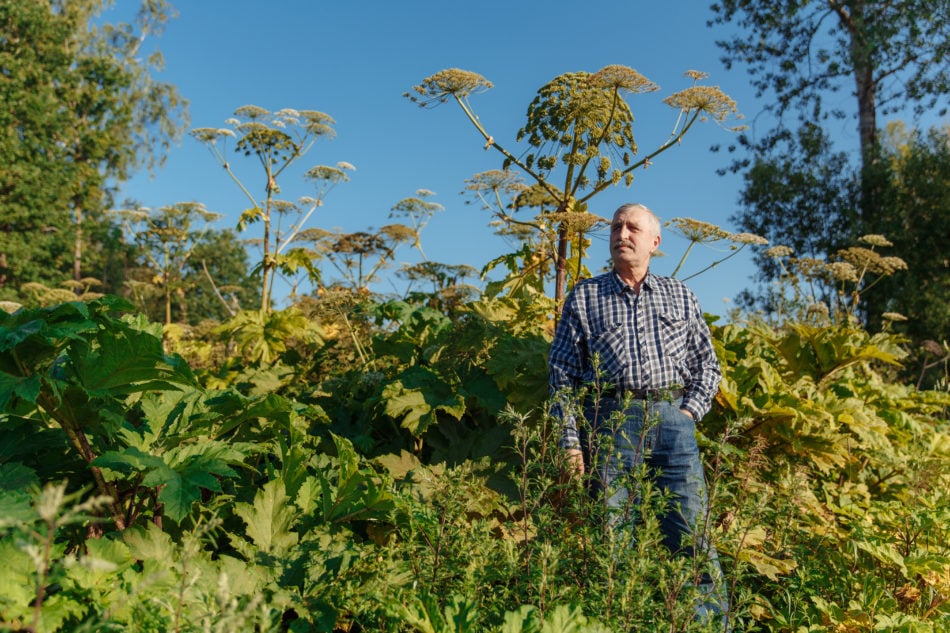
<point x="892" y="53"/>
<point x="915" y="175"/>
<point x="79" y="112"/>
<point x="218" y="278"/>
<point x="804" y="178"/>
<point x="580" y="122"/>
<point x="167" y="239"/>
<point x="889" y="55"/>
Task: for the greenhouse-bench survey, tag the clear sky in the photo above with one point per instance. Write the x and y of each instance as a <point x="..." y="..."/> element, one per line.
<point x="354" y="61"/>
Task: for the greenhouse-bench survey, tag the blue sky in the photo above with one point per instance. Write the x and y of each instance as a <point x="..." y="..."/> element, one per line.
<point x="354" y="61"/>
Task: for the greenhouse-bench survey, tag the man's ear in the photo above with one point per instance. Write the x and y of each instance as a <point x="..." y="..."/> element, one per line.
<point x="656" y="242"/>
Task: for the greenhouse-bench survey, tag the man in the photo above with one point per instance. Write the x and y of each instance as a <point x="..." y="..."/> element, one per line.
<point x="639" y="344"/>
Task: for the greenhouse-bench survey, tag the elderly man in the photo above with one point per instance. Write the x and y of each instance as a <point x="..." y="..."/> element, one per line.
<point x="640" y="345"/>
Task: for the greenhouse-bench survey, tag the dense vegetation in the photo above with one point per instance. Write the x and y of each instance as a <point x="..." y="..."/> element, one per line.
<point x="179" y="455"/>
<point x="404" y="478"/>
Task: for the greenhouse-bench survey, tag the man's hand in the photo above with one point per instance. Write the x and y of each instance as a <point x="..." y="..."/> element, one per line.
<point x="689" y="413"/>
<point x="575" y="460"/>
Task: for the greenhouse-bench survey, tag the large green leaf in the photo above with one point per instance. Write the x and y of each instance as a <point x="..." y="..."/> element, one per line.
<point x="26" y="388"/>
<point x="180" y="473"/>
<point x="270" y="519"/>
<point x="518" y="365"/>
<point x="349" y="490"/>
<point x="416" y="398"/>
<point x="125" y="360"/>
<point x="150" y="544"/>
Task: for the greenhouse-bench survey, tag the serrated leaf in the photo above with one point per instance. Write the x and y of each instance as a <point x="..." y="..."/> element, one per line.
<point x="524" y="620"/>
<point x="127" y="360"/>
<point x="26" y="388"/>
<point x="417" y="396"/>
<point x="17" y="477"/>
<point x="399" y="465"/>
<point x="885" y="553"/>
<point x="149" y="543"/>
<point x="17" y="579"/>
<point x="766" y="565"/>
<point x="179" y="489"/>
<point x="269" y="519"/>
<point x="16" y="507"/>
<point x="129" y="460"/>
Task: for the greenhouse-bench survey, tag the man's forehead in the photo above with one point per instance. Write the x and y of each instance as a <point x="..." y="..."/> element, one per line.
<point x="630" y="215"/>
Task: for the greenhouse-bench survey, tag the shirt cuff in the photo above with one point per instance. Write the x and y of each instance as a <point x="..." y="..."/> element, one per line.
<point x="569" y="437"/>
<point x="692" y="408"/>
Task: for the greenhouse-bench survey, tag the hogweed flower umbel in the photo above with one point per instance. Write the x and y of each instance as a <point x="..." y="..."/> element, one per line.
<point x="453" y="82"/>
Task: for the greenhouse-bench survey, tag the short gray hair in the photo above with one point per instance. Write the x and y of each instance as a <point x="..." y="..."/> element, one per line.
<point x="654" y="219"/>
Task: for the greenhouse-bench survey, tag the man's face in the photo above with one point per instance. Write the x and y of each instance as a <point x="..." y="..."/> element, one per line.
<point x="633" y="238"/>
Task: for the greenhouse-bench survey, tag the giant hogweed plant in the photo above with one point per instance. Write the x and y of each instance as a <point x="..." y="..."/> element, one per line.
<point x="87" y="393"/>
<point x="857" y="463"/>
<point x="827" y="484"/>
<point x="578" y="141"/>
<point x="278" y="141"/>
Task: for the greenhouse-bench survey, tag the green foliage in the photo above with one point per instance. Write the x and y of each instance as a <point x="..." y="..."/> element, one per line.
<point x="850" y="43"/>
<point x="141" y="581"/>
<point x="798" y="58"/>
<point x="798" y="181"/>
<point x="441" y="382"/>
<point x="99" y="389"/>
<point x="425" y="492"/>
<point x="80" y="111"/>
<point x="850" y="474"/>
<point x="186" y="270"/>
<point x="420" y="488"/>
<point x="914" y="183"/>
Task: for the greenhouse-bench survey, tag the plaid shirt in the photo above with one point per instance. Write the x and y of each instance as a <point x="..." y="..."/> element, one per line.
<point x="655" y="340"/>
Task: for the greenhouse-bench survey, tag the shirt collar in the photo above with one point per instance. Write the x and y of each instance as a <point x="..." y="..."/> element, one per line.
<point x="618" y="285"/>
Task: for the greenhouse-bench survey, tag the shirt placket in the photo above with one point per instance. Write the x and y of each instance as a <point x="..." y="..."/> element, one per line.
<point x="639" y="374"/>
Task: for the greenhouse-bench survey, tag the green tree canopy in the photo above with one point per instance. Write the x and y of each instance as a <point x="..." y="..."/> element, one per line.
<point x="800" y="190"/>
<point x="79" y="112"/>
<point x="915" y="180"/>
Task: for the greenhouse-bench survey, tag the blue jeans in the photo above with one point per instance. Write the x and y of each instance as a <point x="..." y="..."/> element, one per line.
<point x="658" y="434"/>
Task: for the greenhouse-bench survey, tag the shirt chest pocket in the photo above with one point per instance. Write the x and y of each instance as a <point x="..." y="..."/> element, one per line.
<point x="674" y="332"/>
<point x="609" y="352"/>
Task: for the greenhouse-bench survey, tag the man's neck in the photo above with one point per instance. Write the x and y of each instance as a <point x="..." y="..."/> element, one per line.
<point x="632" y="277"/>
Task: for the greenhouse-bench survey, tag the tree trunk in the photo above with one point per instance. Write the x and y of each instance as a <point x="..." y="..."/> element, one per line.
<point x="865" y="86"/>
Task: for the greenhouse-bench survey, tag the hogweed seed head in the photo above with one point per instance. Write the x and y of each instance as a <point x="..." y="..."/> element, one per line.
<point x="697" y="230"/>
<point x="445" y="83"/>
<point x="778" y="251"/>
<point x="578" y="221"/>
<point x="809" y="266"/>
<point x="819" y="308"/>
<point x="748" y="238"/>
<point x="709" y="99"/>
<point x="872" y="261"/>
<point x="842" y="271"/>
<point x="622" y="78"/>
<point x="875" y="240"/>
